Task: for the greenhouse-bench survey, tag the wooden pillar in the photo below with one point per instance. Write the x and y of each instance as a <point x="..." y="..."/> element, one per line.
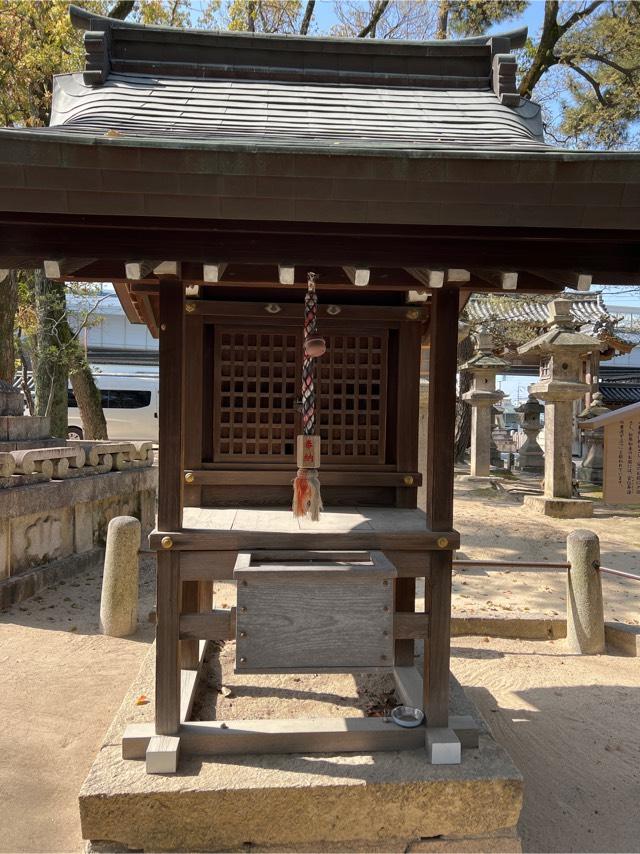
<point x="170" y="480"/>
<point x="439" y="498"/>
<point x="406" y="431"/>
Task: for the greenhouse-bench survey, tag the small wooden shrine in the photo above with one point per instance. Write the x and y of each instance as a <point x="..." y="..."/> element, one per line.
<point x="207" y="175"/>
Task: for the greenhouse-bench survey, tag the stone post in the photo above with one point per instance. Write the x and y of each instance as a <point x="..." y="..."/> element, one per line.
<point x="119" y="601"/>
<point x="592" y="464"/>
<point x="482" y="396"/>
<point x="561" y="351"/>
<point x="585" y="612"/>
<point x="531" y="455"/>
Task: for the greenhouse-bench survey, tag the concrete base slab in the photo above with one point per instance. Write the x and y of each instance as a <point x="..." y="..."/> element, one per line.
<point x="622" y="638"/>
<point x="476" y="478"/>
<point x="560" y="508"/>
<point x="350" y="802"/>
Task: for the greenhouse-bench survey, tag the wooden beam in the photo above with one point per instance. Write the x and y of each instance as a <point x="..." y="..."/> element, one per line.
<point x="167" y="268"/>
<point x="358" y="276"/>
<point x="212" y="271"/>
<point x="506" y="280"/>
<point x="124" y="295"/>
<point x="458" y="275"/>
<point x="207" y="565"/>
<point x="189" y="679"/>
<point x="218" y="624"/>
<point x="144" y="304"/>
<point x="412" y="626"/>
<point x="237" y="540"/>
<point x="295" y="735"/>
<point x="56" y="269"/>
<point x="577" y="281"/>
<point x="138" y="269"/>
<point x="286" y="274"/>
<point x="223" y="477"/>
<point x="429" y="278"/>
<point x="291" y="311"/>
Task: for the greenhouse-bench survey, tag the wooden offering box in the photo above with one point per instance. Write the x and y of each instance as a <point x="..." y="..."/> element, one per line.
<point x="328" y="612"/>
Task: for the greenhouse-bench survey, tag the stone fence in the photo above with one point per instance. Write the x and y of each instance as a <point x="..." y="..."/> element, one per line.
<point x="56" y="503"/>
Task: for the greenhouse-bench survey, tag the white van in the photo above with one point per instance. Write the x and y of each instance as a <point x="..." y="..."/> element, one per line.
<point x="130" y="404"/>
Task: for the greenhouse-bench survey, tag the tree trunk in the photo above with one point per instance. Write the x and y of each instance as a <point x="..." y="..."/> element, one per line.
<point x="8" y="310"/>
<point x="462" y="438"/>
<point x="443" y="19"/>
<point x="50" y="369"/>
<point x="88" y="398"/>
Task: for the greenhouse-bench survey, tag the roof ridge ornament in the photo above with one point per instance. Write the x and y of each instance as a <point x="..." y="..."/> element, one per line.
<point x="97" y="59"/>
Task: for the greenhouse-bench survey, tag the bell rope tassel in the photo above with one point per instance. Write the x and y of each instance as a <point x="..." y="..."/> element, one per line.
<point x="306" y="486"/>
<point x="307" y="500"/>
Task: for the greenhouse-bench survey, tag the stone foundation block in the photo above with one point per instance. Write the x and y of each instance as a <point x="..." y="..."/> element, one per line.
<point x="622" y="638"/>
<point x="560" y="508"/>
<point x="18" y="428"/>
<point x="374" y="802"/>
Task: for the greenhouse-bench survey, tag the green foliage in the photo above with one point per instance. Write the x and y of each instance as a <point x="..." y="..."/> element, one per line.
<point x="603" y="80"/>
<point x="474" y="17"/>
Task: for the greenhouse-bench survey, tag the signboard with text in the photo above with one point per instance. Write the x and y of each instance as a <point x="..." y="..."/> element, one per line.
<point x="621" y="476"/>
<point x="621" y="481"/>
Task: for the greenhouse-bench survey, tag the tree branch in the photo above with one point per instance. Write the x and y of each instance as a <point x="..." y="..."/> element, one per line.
<point x="308" y="15"/>
<point x="596" y="57"/>
<point x="594" y="83"/>
<point x="378" y="12"/>
<point x="572" y="20"/>
<point x="121" y="9"/>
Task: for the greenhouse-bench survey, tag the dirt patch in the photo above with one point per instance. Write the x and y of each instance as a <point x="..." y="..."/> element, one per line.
<point x="572" y="726"/>
<point x="225" y="695"/>
<point x="61" y="682"/>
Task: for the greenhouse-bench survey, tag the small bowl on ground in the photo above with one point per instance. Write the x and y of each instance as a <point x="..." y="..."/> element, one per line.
<point x="407" y="716"/>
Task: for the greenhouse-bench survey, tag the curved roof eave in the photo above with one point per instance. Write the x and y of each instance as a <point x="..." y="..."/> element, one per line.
<point x="85" y="20"/>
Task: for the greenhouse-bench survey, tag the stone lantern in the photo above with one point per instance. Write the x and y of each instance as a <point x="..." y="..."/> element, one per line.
<point x="482" y="397"/>
<point x="531" y="455"/>
<point x="591" y="467"/>
<point x="561" y="350"/>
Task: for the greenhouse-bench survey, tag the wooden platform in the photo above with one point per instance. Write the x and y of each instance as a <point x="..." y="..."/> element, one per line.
<point x="349" y="527"/>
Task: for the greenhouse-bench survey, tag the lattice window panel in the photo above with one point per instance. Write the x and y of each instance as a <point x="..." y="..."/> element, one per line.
<point x="256" y="385"/>
<point x="351" y="379"/>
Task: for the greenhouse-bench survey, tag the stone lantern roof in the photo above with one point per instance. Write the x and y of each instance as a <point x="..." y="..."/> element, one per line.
<point x="562" y="334"/>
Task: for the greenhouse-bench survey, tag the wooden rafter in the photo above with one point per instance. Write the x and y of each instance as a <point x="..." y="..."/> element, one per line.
<point x="57" y="268"/>
<point x="213" y="271"/>
<point x="286" y="274"/>
<point x="358" y="276"/>
<point x="578" y="281"/>
<point x="507" y="280"/>
<point x="138" y="269"/>
<point x="427" y="277"/>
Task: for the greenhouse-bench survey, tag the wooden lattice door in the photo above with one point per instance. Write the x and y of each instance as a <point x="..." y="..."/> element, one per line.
<point x="257" y="379"/>
<point x="256" y="385"/>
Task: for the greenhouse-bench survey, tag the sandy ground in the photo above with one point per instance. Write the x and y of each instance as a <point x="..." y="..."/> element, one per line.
<point x="61" y="682"/>
<point x="572" y="727"/>
<point x="495" y="524"/>
<point x="571" y="724"/>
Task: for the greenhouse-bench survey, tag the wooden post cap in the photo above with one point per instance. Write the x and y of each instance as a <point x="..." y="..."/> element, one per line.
<point x="166" y="543"/>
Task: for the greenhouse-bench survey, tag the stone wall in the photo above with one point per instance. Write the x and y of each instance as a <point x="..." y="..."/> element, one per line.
<point x="53" y="527"/>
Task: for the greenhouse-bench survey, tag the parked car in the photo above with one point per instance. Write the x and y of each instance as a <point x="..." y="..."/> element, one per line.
<point x="130" y="404"/>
